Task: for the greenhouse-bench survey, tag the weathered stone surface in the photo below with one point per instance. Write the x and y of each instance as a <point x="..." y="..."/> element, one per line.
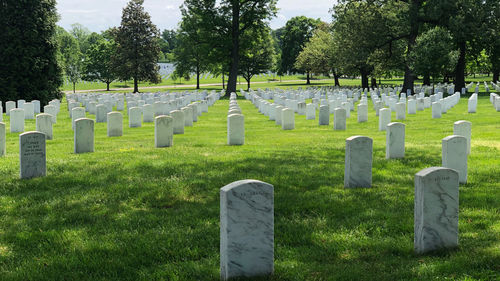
<point x="164" y="131"/>
<point x="246" y="229"/>
<point x="339" y="119"/>
<point x="358" y="162"/>
<point x="84" y="135"/>
<point x="436" y="209"/>
<point x="454" y="155"/>
<point x="44" y="125"/>
<point x="115" y="124"/>
<point x="32" y="155"/>
<point x="463" y="128"/>
<point x="395" y="141"/>
<point x="235" y="129"/>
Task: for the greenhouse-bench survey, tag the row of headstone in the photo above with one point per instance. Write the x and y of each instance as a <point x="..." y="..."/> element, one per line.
<point x="27" y="111"/>
<point x="235" y="123"/>
<point x="495" y="101"/>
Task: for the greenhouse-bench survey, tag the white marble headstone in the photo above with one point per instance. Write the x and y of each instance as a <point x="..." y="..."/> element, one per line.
<point x="235" y="129"/>
<point x="436" y="209"/>
<point x="287" y="119"/>
<point x="395" y="141"/>
<point x="384" y="118"/>
<point x="246" y="229"/>
<point x="178" y="121"/>
<point x="115" y="124"/>
<point x="324" y="115"/>
<point x="32" y="155"/>
<point x="362" y="113"/>
<point x="164" y="131"/>
<point x="44" y="124"/>
<point x="17" y="120"/>
<point x="358" y="162"/>
<point x="339" y="119"/>
<point x="135" y="117"/>
<point x="3" y="139"/>
<point x="463" y="128"/>
<point x="84" y="135"/>
<point x="454" y="155"/>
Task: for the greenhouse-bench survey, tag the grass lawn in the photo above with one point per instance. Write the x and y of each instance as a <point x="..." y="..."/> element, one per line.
<point x="133" y="212"/>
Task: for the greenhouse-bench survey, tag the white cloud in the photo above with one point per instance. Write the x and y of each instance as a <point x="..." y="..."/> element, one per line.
<point x="99" y="15"/>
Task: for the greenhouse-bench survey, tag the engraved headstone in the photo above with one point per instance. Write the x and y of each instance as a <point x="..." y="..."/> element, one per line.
<point x="287" y="119"/>
<point x="101" y="113"/>
<point x="235" y="129"/>
<point x="178" y="121"/>
<point x="395" y="141"/>
<point x="436" y="110"/>
<point x="362" y="113"/>
<point x="463" y="128"/>
<point x="246" y="229"/>
<point x="84" y="135"/>
<point x="400" y="111"/>
<point x="339" y="119"/>
<point x="324" y="115"/>
<point x="147" y="113"/>
<point x="52" y="110"/>
<point x="358" y="162"/>
<point x="134" y="117"/>
<point x="454" y="155"/>
<point x="32" y="155"/>
<point x="76" y="113"/>
<point x="436" y="209"/>
<point x="44" y="124"/>
<point x="310" y="111"/>
<point x="384" y="118"/>
<point x="3" y="139"/>
<point x="164" y="131"/>
<point x="115" y="124"/>
<point x="29" y="111"/>
<point x="17" y="120"/>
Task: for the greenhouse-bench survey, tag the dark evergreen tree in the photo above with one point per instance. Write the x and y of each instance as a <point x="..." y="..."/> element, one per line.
<point x="28" y="51"/>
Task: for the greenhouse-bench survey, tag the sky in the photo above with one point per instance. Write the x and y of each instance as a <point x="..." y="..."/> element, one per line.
<point x="99" y="15"/>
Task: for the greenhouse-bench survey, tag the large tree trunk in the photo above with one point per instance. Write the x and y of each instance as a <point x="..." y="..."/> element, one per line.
<point x="496" y="75"/>
<point x="336" y="76"/>
<point x="136" y="85"/>
<point x="235" y="50"/>
<point x="427" y="80"/>
<point x="364" y="79"/>
<point x="308" y="79"/>
<point x="197" y="77"/>
<point x="74" y="87"/>
<point x="248" y="84"/>
<point x="460" y="69"/>
<point x="374" y="82"/>
<point x="409" y="80"/>
<point x="107" y="86"/>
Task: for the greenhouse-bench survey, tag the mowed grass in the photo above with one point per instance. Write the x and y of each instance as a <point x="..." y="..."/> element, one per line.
<point x="133" y="212"/>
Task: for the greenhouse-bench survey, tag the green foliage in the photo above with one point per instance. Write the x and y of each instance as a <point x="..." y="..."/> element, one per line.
<point x="71" y="57"/>
<point x="28" y="51"/>
<point x="98" y="62"/>
<point x="318" y="54"/>
<point x="137" y="48"/>
<point x="194" y="43"/>
<point x="296" y="33"/>
<point x="82" y="34"/>
<point x="256" y="54"/>
<point x="434" y="55"/>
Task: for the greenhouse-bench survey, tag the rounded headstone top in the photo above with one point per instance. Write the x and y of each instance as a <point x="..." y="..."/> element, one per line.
<point x="239" y="183"/>
<point x="428" y="171"/>
<point x="396" y="124"/>
<point x="452" y="137"/>
<point x="359" y="138"/>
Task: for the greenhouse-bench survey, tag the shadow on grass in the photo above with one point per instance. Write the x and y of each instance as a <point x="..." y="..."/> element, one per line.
<point x="160" y="220"/>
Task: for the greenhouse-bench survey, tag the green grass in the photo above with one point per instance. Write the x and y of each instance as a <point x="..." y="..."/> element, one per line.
<point x="133" y="212"/>
<point x="291" y="81"/>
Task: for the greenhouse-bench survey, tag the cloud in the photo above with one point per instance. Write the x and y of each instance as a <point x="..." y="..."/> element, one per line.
<point x="99" y="15"/>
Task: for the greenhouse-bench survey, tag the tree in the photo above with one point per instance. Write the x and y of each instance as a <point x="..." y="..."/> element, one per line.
<point x="193" y="42"/>
<point x="236" y="17"/>
<point x="71" y="58"/>
<point x="433" y="55"/>
<point x="297" y="32"/>
<point x="98" y="64"/>
<point x="317" y="54"/>
<point x="492" y="36"/>
<point x="257" y="53"/>
<point x="137" y="49"/>
<point x="28" y="51"/>
<point x="81" y="34"/>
